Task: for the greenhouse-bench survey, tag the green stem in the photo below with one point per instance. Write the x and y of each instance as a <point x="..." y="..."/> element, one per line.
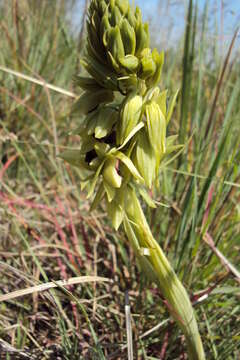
<point x="155" y="263"/>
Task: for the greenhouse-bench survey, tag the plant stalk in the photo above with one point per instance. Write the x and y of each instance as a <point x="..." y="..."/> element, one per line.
<point x="154" y="263"/>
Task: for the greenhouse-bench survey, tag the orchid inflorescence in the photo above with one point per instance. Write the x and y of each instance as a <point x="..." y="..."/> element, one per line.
<point x="124" y="113"/>
<point x="123" y="119"/>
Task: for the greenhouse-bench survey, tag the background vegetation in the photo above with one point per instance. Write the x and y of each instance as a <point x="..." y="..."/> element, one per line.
<point x="47" y="232"/>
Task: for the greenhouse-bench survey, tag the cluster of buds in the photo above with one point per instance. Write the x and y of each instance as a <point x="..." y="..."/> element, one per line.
<point x="123" y="113"/>
<point x="118" y="45"/>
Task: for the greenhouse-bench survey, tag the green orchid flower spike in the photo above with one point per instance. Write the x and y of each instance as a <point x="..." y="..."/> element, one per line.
<point x="123" y="130"/>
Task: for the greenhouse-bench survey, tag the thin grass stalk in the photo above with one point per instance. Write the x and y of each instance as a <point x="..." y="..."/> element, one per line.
<point x="128" y="327"/>
<point x="202" y="50"/>
<point x="219" y="84"/>
<point x="227" y="126"/>
<point x="188" y="60"/>
<point x="187" y="68"/>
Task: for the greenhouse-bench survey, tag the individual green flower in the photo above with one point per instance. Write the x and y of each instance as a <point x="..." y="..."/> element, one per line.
<point x="130" y="116"/>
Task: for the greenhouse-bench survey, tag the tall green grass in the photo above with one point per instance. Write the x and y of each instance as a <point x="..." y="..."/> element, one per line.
<point x="48" y="233"/>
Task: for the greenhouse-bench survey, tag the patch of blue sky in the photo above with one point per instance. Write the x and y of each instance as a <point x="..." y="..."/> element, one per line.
<point x="169" y="15"/>
<point x="167" y="18"/>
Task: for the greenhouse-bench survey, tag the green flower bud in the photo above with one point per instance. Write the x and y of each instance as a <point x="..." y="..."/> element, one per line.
<point x="116" y="16"/>
<point x="158" y="60"/>
<point x="115" y="44"/>
<point x="123" y="6"/>
<point x="111" y="4"/>
<point x="142" y="37"/>
<point x="104" y="27"/>
<point x="148" y="66"/>
<point x="130" y="115"/>
<point x="129" y="62"/>
<point x="110" y="173"/>
<point x="156" y="125"/>
<point x="102" y="7"/>
<point x="145" y="159"/>
<point x="138" y="15"/>
<point x="128" y="37"/>
<point x="131" y="17"/>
